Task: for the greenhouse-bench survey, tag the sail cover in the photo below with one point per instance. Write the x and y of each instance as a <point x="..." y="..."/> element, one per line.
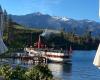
<point x="3" y="48"/>
<point x="96" y="61"/>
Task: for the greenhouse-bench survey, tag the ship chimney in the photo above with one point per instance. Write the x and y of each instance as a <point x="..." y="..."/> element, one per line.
<point x="39" y="42"/>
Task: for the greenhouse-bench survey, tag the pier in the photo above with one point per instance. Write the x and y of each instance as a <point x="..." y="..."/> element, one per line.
<point x="33" y="59"/>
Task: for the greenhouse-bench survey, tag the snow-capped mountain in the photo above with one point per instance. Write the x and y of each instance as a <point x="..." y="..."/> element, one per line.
<point x="39" y="20"/>
<point x="61" y="18"/>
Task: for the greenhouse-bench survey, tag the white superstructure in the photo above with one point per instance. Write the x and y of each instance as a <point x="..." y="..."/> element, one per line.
<point x="51" y="55"/>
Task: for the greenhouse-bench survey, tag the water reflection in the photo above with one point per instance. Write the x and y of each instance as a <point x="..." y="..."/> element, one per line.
<point x="63" y="71"/>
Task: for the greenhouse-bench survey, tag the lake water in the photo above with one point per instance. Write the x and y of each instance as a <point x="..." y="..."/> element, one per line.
<point x="81" y="68"/>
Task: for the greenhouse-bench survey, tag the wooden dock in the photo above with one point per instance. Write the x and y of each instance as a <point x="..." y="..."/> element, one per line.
<point x="34" y="59"/>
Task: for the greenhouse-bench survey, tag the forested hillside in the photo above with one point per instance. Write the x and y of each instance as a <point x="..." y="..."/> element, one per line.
<point x="17" y="37"/>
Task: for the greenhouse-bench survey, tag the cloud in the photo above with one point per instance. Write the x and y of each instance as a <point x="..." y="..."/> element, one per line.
<point x="53" y="2"/>
<point x="46" y="5"/>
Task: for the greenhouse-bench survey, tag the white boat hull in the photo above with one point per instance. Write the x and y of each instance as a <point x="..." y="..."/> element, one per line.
<point x="53" y="59"/>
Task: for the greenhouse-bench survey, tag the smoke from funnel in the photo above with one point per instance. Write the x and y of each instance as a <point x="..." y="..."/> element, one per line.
<point x="49" y="33"/>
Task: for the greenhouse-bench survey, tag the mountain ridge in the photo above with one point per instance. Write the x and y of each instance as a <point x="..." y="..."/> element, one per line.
<point x="39" y="20"/>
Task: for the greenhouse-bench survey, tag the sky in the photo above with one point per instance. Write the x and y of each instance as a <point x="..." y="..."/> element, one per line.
<point x="76" y="9"/>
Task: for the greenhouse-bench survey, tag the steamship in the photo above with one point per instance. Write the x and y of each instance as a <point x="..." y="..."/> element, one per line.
<point x="50" y="53"/>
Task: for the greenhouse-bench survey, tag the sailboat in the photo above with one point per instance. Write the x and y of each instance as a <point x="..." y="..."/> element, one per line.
<point x="96" y="61"/>
<point x="3" y="47"/>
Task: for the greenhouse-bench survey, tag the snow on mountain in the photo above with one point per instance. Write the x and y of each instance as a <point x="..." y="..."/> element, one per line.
<point x="61" y="18"/>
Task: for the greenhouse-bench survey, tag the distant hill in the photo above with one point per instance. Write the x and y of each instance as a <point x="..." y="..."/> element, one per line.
<point x="39" y="20"/>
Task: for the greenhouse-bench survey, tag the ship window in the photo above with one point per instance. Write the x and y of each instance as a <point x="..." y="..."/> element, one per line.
<point x="31" y="53"/>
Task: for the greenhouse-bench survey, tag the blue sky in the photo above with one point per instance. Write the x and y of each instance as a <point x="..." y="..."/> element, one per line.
<point x="77" y="9"/>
